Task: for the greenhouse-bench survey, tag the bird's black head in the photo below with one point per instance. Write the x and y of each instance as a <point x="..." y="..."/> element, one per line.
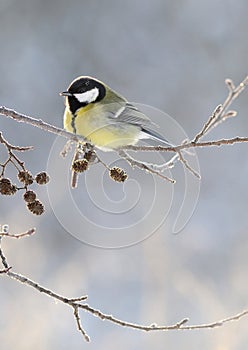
<point x="82" y="91"/>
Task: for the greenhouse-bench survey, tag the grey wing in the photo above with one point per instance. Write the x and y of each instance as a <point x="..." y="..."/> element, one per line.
<point x="132" y="115"/>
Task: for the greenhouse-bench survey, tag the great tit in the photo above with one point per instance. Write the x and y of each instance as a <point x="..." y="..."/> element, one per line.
<point x="104" y="117"/>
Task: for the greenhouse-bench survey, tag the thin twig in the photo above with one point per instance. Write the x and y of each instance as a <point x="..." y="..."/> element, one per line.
<point x="83" y="298"/>
<point x="187" y="166"/>
<point x="218" y="323"/>
<point x="216" y="112"/>
<point x="222" y="113"/>
<point x="3" y="259"/>
<point x="154" y="327"/>
<point x="164" y="166"/>
<point x="5" y="270"/>
<point x="79" y="325"/>
<point x="67" y="147"/>
<point x="99" y="160"/>
<point x="144" y="166"/>
<point x="74" y="174"/>
<point x="19" y="235"/>
<point x="12" y="147"/>
<point x="188" y="145"/>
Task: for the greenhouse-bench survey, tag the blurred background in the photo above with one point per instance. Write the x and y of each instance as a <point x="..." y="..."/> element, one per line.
<point x="175" y="56"/>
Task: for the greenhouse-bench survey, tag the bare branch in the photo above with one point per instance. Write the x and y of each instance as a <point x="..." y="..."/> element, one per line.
<point x="19" y="235"/>
<point x="154" y="327"/>
<point x="79" y="325"/>
<point x="218" y="323"/>
<point x="76" y="304"/>
<point x="3" y="259"/>
<point x="143" y="165"/>
<point x="39" y="123"/>
<point x="188" y="145"/>
<point x="187" y="166"/>
<point x="215" y="114"/>
<point x="5" y="270"/>
<point x="83" y="298"/>
<point x="222" y="114"/>
<point x="14" y="148"/>
<point x="74" y="175"/>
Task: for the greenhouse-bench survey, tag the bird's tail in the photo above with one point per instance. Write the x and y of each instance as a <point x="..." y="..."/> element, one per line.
<point x="150" y="134"/>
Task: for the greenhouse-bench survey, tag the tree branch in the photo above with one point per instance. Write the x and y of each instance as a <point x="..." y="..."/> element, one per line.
<point x="188" y="145"/>
<point x="11" y="147"/>
<point x="19" y="235"/>
<point x="149" y="167"/>
<point x="78" y="303"/>
<point x="39" y="123"/>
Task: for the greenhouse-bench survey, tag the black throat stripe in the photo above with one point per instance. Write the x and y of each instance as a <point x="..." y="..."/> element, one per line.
<point x="73" y="118"/>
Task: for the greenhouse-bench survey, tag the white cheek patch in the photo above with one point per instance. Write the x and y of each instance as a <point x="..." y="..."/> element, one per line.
<point x="87" y="96"/>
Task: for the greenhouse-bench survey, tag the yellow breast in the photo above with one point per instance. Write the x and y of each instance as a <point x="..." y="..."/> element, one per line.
<point x="98" y="130"/>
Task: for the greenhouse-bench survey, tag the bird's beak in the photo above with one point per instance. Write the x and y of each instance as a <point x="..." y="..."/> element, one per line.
<point x="65" y="93"/>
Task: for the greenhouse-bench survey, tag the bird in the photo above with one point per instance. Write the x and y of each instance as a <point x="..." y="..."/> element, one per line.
<point x="104" y="117"/>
